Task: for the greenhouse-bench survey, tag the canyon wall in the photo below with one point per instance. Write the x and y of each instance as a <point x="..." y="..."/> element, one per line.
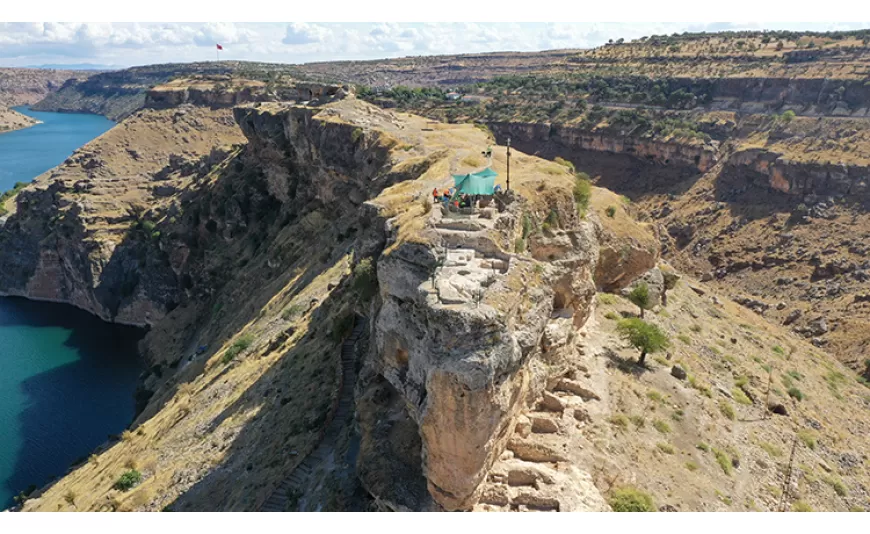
<point x="700" y="157"/>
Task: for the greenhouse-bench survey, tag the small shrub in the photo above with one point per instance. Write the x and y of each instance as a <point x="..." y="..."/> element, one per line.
<point x="520" y="245"/>
<point x="741" y="396"/>
<point x="638" y="421"/>
<point x="292" y="311"/>
<point x="356" y="134"/>
<point x="610" y="211"/>
<point x="691" y="466"/>
<point x="426" y="204"/>
<point x="779" y="351"/>
<point x="727" y="410"/>
<point x="70" y="497"/>
<point x="695" y="328"/>
<point x="128" y="480"/>
<point x="807" y="438"/>
<point x="619" y="420"/>
<point x="654" y="396"/>
<point x="631" y="500"/>
<point x="703" y="447"/>
<point x="365" y="278"/>
<point x="606" y="298"/>
<point x="661" y="426"/>
<point x="613" y="316"/>
<point x="837" y="484"/>
<point x="582" y="193"/>
<point x="703" y="388"/>
<point x="685" y="339"/>
<point x="126" y="435"/>
<point x="564" y="163"/>
<point x="795" y="393"/>
<point x="724" y="461"/>
<point x="238" y="346"/>
<point x="665" y="448"/>
<point x="772" y="450"/>
<point x="801" y="506"/>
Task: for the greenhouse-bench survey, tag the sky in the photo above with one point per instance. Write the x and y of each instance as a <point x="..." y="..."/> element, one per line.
<point x="128" y="44"/>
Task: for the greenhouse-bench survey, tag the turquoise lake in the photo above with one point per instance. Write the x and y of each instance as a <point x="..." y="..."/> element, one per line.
<point x="27" y="153"/>
<point x="67" y="379"/>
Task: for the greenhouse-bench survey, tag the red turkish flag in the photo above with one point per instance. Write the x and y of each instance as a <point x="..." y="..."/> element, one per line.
<point x="219" y="47"/>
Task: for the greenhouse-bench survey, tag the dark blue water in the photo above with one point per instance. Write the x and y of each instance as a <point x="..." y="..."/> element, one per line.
<point x="27" y="153"/>
<point x="67" y="379"/>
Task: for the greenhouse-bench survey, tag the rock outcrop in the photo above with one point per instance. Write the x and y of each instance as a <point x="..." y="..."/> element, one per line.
<point x="697" y="156"/>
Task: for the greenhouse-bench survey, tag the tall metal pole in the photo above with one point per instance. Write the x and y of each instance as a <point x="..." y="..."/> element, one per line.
<point x="509" y="164"/>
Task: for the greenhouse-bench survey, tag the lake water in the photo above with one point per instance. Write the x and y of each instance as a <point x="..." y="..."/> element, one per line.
<point x="67" y="379"/>
<point x="27" y="153"/>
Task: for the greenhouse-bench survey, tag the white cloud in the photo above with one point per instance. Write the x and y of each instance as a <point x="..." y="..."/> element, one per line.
<point x="299" y="33"/>
<point x="142" y="43"/>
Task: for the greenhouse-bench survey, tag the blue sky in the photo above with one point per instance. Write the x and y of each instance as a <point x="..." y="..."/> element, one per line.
<point x="126" y="44"/>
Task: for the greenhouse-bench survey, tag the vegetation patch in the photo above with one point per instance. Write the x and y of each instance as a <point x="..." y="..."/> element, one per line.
<point x="727" y="410"/>
<point x="240" y="345"/>
<point x="661" y="426"/>
<point x="665" y="448"/>
<point x="128" y="480"/>
<point x="808" y="438"/>
<point x="9" y="194"/>
<point x="629" y="499"/>
<point x="740" y="396"/>
<point x="724" y="461"/>
<point x="582" y="193"/>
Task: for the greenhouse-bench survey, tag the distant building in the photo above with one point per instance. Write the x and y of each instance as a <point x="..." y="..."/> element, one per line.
<point x="453" y="95"/>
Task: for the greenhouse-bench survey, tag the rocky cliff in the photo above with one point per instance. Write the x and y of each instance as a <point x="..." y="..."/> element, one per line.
<point x="260" y="248"/>
<point x="84" y="233"/>
<point x="564" y="138"/>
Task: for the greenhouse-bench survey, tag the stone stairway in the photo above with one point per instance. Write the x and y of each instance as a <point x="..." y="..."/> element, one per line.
<point x="538" y="471"/>
<point x="295" y="483"/>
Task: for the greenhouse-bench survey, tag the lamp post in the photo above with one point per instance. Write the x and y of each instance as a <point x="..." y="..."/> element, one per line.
<point x="508" y="163"/>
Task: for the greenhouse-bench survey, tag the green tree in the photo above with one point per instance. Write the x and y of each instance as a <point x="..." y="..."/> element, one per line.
<point x="645" y="337"/>
<point x="639" y="296"/>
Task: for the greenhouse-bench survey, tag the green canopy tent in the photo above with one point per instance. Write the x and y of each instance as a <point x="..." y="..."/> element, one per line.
<point x="478" y="183"/>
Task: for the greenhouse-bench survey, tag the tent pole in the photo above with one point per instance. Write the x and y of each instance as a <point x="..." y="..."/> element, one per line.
<point x="509" y="164"/>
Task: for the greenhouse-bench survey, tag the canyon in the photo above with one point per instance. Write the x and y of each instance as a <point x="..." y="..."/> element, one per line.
<point x="278" y="239"/>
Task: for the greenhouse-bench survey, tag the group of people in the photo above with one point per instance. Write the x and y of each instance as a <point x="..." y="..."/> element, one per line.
<point x="463" y="201"/>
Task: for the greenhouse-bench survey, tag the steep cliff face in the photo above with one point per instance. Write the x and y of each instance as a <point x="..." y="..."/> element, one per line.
<point x="84" y="233"/>
<point x="768" y="168"/>
<point x="466" y="332"/>
<point x="696" y="156"/>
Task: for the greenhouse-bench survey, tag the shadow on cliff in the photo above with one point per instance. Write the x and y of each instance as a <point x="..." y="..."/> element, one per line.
<point x="747" y="199"/>
<point x="81" y="392"/>
<point x="627" y="175"/>
<point x="289" y="403"/>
